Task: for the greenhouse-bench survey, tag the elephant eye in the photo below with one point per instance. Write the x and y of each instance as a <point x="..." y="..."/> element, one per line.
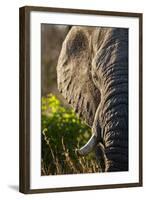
<point x="77" y="44"/>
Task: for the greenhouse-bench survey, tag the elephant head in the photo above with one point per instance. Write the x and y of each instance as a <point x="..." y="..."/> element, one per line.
<point x="92" y="74"/>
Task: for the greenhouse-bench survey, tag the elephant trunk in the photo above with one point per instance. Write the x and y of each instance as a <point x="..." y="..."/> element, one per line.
<point x="114" y="117"/>
<point x="115" y="137"/>
<point x="110" y="74"/>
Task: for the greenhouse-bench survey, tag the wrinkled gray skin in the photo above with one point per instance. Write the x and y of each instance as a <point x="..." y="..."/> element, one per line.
<point x="92" y="74"/>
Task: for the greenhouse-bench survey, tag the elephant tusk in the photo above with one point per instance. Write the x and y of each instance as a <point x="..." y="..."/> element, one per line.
<point x="88" y="147"/>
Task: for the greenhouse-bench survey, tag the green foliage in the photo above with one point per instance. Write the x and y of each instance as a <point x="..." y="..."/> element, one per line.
<point x="62" y="133"/>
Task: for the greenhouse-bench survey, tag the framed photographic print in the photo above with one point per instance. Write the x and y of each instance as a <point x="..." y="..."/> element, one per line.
<point x="80" y="99"/>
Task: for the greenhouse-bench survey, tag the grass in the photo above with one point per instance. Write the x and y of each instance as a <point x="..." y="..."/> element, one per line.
<point x="62" y="133"/>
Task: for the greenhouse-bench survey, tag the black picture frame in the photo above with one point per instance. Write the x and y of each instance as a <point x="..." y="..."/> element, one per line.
<point x="24" y="142"/>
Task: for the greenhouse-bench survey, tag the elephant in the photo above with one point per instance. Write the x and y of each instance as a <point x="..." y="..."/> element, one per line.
<point x="92" y="75"/>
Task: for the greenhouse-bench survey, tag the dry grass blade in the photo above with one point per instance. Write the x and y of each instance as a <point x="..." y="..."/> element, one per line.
<point x="68" y="158"/>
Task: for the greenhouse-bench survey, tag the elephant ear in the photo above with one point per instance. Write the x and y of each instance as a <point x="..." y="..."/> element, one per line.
<point x="74" y="76"/>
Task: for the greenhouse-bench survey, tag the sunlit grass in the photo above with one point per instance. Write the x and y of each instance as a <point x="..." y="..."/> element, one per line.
<point x="62" y="133"/>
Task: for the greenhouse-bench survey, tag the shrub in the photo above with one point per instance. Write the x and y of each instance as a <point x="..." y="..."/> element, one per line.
<point x="62" y="133"/>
